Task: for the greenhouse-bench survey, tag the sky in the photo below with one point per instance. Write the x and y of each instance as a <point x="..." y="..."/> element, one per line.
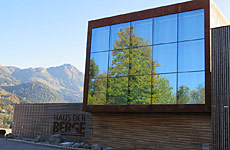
<point x="45" y="33"/>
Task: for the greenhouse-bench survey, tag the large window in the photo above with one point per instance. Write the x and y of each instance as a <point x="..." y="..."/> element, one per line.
<point x="159" y="60"/>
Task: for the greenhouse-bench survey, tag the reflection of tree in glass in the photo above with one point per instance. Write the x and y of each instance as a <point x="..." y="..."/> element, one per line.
<point x="187" y="96"/>
<point x="117" y="91"/>
<point x="137" y="65"/>
<point x="140" y="67"/>
<point x="162" y="91"/>
<point x="97" y="85"/>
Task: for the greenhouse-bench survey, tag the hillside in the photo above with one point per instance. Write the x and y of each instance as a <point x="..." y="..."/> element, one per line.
<point x="66" y="79"/>
<point x="35" y="92"/>
<point x="70" y="81"/>
<point x="7" y="101"/>
<point x="6" y="78"/>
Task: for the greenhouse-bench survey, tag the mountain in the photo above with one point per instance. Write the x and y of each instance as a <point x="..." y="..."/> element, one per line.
<point x="70" y="81"/>
<point x="35" y="92"/>
<point x="66" y="79"/>
<point x="6" y="78"/>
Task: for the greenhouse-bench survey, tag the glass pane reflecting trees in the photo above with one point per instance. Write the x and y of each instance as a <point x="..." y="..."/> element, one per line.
<point x="141" y="34"/>
<point x="150" y="61"/>
<point x="120" y="36"/>
<point x="164" y="88"/>
<point x="191" y="88"/>
<point x="117" y="91"/>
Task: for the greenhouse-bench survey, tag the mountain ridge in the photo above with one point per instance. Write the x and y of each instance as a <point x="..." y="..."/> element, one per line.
<point x="66" y="79"/>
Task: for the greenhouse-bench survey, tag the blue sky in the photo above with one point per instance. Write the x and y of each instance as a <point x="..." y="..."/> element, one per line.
<point x="45" y="33"/>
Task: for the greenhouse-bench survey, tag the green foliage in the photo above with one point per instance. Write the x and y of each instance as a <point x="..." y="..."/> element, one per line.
<point x="7" y="101"/>
<point x="136" y="66"/>
<point x="187" y="96"/>
<point x="94" y="68"/>
<point x="183" y="95"/>
<point x="117" y="91"/>
<point x="162" y="91"/>
<point x="97" y="91"/>
<point x="35" y="92"/>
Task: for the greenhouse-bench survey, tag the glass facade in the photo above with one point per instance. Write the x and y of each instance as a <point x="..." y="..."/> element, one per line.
<point x="159" y="60"/>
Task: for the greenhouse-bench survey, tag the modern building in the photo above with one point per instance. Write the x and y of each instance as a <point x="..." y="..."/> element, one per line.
<point x="157" y="79"/>
<point x="148" y="78"/>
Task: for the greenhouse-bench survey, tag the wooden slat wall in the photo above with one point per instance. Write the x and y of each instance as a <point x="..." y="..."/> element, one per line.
<point x="221" y="87"/>
<point x="152" y="131"/>
<point x="31" y="120"/>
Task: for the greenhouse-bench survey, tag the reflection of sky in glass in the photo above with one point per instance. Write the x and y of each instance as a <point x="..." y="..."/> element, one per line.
<point x="114" y="36"/>
<point x="191" y="25"/>
<point x="191" y="56"/>
<point x="100" y="39"/>
<point x="101" y="59"/>
<point x="118" y="59"/>
<point x="191" y="80"/>
<point x="165" y="29"/>
<point x="166" y="56"/>
<point x="142" y="28"/>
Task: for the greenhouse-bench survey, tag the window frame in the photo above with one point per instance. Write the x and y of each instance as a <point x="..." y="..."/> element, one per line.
<point x="150" y="13"/>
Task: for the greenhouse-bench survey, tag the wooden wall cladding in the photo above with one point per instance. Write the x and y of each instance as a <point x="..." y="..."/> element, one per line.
<point x="221" y="87"/>
<point x="152" y="131"/>
<point x="31" y="120"/>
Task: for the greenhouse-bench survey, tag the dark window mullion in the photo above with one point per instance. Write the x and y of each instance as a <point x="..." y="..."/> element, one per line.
<point x="130" y="45"/>
<point x="152" y="61"/>
<point x="108" y="68"/>
<point x="177" y="59"/>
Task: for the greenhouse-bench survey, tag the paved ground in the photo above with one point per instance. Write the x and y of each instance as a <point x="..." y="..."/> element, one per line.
<point x="13" y="145"/>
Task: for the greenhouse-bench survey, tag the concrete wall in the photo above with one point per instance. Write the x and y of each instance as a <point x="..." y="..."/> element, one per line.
<point x="67" y="119"/>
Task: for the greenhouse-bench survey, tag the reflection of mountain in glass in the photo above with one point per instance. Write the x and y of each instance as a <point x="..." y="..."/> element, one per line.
<point x="133" y="76"/>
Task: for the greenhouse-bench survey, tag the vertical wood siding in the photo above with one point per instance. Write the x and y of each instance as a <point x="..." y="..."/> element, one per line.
<point x="220" y="87"/>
